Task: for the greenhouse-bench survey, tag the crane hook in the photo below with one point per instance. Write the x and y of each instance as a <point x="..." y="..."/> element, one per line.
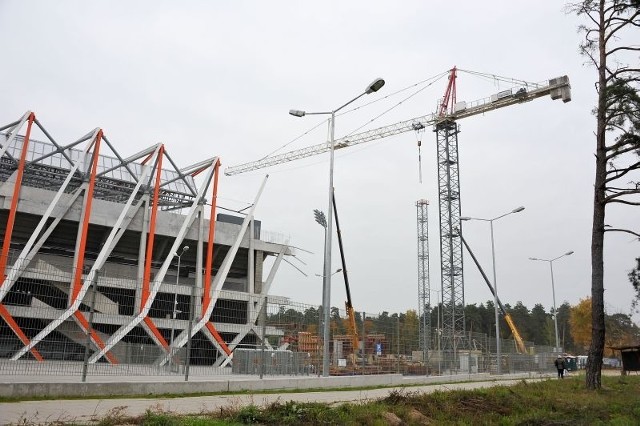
<point x="419" y="129"/>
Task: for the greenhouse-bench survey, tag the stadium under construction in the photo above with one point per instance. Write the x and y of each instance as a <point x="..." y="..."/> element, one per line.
<point x="108" y="258"/>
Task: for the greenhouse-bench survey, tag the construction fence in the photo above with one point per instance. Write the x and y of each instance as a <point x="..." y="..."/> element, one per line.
<point x="56" y="322"/>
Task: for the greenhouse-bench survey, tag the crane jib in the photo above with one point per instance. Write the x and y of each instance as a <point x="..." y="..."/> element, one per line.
<point x="557" y="88"/>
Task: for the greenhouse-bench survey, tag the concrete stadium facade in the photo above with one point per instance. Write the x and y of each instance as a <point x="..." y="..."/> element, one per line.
<point x="93" y="256"/>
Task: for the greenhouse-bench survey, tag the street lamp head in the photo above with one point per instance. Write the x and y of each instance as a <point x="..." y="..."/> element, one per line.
<point x="333" y="273"/>
<point x="374" y="86"/>
<point x="297" y="113"/>
<point x="518" y="210"/>
<point x="185" y="248"/>
<point x="465" y="218"/>
<point x="534" y="258"/>
<point x="568" y="253"/>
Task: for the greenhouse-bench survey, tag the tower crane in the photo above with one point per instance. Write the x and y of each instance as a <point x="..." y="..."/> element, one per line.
<point x="444" y="122"/>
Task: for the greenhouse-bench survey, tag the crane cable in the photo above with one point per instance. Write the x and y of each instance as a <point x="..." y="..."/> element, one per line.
<point x="498" y="78"/>
<point x="435" y="79"/>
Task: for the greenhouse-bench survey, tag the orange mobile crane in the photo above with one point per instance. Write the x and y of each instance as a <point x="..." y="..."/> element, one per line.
<point x="353" y="331"/>
<point x="516" y="334"/>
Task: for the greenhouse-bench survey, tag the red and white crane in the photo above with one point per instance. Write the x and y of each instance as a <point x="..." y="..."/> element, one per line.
<point x="445" y="126"/>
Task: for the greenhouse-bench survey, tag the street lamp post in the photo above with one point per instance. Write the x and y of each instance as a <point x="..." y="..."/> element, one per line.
<point x="495" y="283"/>
<point x="326" y="308"/>
<point x="553" y="292"/>
<point x="175" y="305"/>
<point x="321" y="219"/>
<point x="326" y="290"/>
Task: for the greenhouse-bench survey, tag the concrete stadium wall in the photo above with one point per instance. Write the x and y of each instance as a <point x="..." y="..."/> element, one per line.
<point x="254" y="384"/>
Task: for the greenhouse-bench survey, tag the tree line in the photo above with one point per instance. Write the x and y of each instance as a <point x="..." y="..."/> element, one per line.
<point x="536" y="325"/>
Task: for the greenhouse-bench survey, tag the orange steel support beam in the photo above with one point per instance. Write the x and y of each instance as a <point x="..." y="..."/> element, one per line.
<point x="156" y="332"/>
<point x="77" y="276"/>
<point x="94" y="336"/>
<point x="84" y="230"/>
<point x="218" y="338"/>
<point x="208" y="270"/>
<point x="14" y="201"/>
<point x="6" y="243"/>
<point x="209" y="262"/>
<point x="146" y="282"/>
<point x="4" y="313"/>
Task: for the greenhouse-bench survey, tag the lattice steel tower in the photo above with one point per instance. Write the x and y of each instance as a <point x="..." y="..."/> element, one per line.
<point x="424" y="287"/>
<point x="450" y="244"/>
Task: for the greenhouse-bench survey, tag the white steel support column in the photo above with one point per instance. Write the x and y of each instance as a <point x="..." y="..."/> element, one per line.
<point x="219" y="279"/>
<point x="27" y="254"/>
<point x="146" y="200"/>
<point x="125" y="217"/>
<point x="259" y="306"/>
<point x="199" y="265"/>
<point x="159" y="277"/>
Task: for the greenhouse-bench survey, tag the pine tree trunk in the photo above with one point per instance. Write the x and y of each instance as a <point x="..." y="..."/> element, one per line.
<point x="594" y="360"/>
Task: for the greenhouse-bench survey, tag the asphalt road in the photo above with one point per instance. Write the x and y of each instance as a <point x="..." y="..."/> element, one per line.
<point x="85" y="411"/>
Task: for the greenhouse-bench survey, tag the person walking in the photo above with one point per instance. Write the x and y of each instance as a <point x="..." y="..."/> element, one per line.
<point x="560" y="365"/>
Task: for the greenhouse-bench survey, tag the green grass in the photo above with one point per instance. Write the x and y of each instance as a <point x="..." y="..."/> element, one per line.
<point x="549" y="402"/>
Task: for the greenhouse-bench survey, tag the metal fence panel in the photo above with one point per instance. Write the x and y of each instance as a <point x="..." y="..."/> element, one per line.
<point x="41" y="335"/>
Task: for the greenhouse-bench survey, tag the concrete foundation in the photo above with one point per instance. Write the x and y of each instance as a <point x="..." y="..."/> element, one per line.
<point x="154" y="386"/>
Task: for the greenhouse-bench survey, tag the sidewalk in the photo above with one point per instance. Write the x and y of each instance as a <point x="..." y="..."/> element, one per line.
<point x="83" y="411"/>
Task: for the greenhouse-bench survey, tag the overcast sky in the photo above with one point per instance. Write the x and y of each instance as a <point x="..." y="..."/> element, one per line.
<point x="218" y="78"/>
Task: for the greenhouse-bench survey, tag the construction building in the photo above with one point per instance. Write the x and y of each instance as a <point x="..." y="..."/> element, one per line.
<point x="108" y="258"/>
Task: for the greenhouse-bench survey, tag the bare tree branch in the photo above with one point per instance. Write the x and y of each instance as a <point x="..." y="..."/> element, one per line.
<point x="627" y="231"/>
<point x="616" y="74"/>
<point x="623" y="48"/>
<point x="622" y="24"/>
<point x="617" y="195"/>
<point x="617" y="152"/>
<point x="629" y="203"/>
<point x="624" y="171"/>
<point x="621" y="142"/>
<point x="587" y="13"/>
<point x="613" y="188"/>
